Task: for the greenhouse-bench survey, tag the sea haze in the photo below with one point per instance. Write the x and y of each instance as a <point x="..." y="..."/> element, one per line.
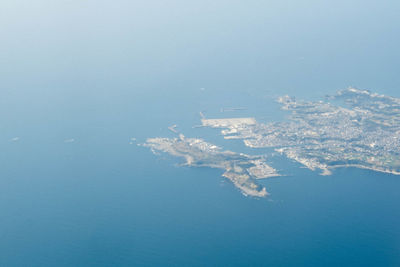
<point x="80" y="79"/>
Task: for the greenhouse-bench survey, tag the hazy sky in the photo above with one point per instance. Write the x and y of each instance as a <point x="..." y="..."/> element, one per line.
<point x="62" y="49"/>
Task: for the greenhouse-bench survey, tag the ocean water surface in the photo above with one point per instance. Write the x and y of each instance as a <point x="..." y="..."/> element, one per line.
<point x="80" y="80"/>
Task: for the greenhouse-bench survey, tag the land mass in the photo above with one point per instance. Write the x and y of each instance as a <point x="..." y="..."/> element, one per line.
<point x="353" y="128"/>
<point x="363" y="133"/>
<point x="243" y="170"/>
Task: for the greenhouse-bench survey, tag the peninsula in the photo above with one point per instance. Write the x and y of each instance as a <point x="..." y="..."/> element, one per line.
<point x="241" y="169"/>
<point x="353" y="128"/>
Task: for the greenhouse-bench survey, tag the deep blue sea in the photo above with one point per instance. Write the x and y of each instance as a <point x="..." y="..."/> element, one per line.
<point x="78" y="80"/>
